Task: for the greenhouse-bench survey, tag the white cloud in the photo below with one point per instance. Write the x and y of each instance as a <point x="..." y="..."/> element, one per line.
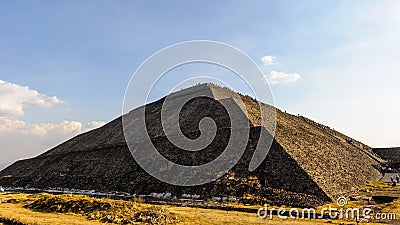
<point x="22" y="140"/>
<point x="93" y="125"/>
<point x="15" y="126"/>
<point x="268" y="60"/>
<point x="282" y="78"/>
<point x="14" y="98"/>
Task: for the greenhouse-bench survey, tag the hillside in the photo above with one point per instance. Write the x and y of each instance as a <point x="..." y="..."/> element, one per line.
<point x="306" y="164"/>
<point x="392" y="155"/>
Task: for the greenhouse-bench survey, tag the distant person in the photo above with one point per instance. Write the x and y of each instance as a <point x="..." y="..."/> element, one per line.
<point x="393" y="179"/>
<point x="397" y="178"/>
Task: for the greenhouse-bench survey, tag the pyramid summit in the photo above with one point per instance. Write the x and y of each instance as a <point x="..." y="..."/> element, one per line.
<point x="308" y="163"/>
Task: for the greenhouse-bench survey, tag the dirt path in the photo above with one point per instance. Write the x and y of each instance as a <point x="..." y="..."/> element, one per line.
<point x="387" y="176"/>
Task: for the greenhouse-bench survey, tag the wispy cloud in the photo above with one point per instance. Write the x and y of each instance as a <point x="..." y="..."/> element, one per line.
<point x="14" y="98"/>
<point x="268" y="60"/>
<point x="93" y="125"/>
<point x="282" y="78"/>
<point x="21" y="139"/>
<point x="15" y="126"/>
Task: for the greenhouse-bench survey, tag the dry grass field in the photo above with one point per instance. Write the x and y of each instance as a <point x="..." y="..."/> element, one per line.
<point x="46" y="209"/>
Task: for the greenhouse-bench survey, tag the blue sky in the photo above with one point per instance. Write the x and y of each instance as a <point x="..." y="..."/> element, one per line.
<point x="84" y="53"/>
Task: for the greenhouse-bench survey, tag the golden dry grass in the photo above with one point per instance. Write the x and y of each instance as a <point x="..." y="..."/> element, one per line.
<point x="187" y="215"/>
<point x="26" y="216"/>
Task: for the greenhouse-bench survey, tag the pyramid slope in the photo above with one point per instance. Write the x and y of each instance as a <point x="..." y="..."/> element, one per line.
<point x="338" y="167"/>
<point x="305" y="166"/>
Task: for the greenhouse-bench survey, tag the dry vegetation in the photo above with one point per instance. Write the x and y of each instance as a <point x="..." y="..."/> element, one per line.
<point x="38" y="209"/>
<point x="86" y="208"/>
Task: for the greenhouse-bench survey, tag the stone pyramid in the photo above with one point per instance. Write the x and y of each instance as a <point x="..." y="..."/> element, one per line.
<point x="308" y="164"/>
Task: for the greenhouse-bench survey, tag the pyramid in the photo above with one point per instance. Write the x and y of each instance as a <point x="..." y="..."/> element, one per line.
<point x="308" y="163"/>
